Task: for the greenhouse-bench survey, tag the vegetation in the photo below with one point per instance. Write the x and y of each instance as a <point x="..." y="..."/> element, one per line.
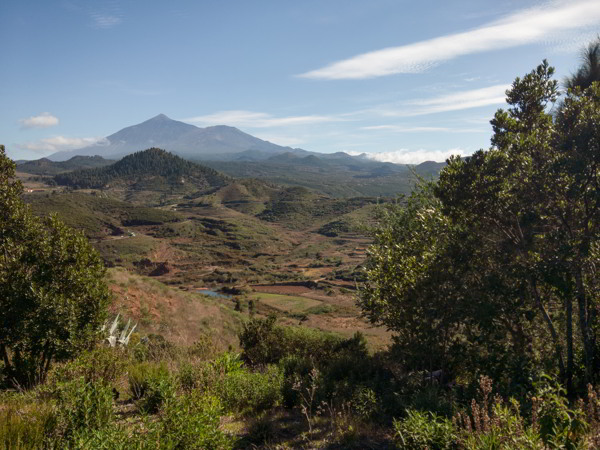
<point x="486" y="278"/>
<point x="153" y="168"/>
<point x="52" y="287"/>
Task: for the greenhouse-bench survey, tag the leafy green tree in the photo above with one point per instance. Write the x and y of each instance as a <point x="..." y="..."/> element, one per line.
<point x="53" y="297"/>
<point x="496" y="260"/>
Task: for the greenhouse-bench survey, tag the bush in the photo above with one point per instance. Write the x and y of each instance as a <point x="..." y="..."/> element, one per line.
<point x="83" y="405"/>
<point x="145" y="376"/>
<point x="191" y="422"/>
<point x="153" y="347"/>
<point x="420" y="430"/>
<point x="252" y="392"/>
<point x="560" y="426"/>
<point x="158" y="391"/>
<point x="263" y="342"/>
<point x="103" y="364"/>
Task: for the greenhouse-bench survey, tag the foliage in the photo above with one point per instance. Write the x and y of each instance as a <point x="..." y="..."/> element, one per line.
<point x="52" y="289"/>
<point x="140" y="167"/>
<point x="102" y="364"/>
<point x="488" y="267"/>
<point x="84" y="405"/>
<point x="252" y="392"/>
<point x="559" y="425"/>
<point x="419" y="430"/>
<point x="191" y="422"/>
<point x="264" y="342"/>
<point x="147" y="377"/>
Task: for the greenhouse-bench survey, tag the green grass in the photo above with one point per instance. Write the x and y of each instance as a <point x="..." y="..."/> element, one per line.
<point x="127" y="249"/>
<point x="98" y="214"/>
<point x="287" y="303"/>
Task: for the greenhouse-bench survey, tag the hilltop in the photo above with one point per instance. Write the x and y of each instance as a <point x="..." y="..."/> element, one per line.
<point x="153" y="169"/>
<point x="184" y="139"/>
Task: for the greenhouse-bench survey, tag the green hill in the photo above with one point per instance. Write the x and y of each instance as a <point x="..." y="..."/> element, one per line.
<point x="97" y="215"/>
<point x="153" y="169"/>
<point x="299" y="207"/>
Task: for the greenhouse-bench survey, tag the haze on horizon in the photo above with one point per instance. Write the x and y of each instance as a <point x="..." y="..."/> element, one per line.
<point x="403" y="82"/>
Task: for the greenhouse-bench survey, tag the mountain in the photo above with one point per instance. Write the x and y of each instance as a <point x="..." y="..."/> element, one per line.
<point x="44" y="166"/>
<point x="149" y="170"/>
<point x="185" y="140"/>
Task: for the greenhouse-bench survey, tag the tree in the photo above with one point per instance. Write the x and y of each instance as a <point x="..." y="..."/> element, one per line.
<point x="589" y="70"/>
<point x="518" y="248"/>
<point x="53" y="297"/>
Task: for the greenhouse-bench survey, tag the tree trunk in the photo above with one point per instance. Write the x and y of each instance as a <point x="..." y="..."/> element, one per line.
<point x="583" y="325"/>
<point x="570" y="364"/>
<point x="551" y="328"/>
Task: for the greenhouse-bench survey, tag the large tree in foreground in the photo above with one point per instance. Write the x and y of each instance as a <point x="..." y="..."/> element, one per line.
<point x="510" y="261"/>
<point x="53" y="297"/>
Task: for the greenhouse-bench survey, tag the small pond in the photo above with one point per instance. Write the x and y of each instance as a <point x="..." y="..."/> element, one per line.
<point x="212" y="293"/>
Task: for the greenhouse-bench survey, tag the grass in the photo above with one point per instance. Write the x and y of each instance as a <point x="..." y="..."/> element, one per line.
<point x="287" y="303"/>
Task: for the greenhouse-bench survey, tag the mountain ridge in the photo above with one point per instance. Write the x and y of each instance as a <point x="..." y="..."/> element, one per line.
<point x="187" y="141"/>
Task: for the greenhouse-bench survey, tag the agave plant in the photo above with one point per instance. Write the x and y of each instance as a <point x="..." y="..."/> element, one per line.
<point x="114" y="338"/>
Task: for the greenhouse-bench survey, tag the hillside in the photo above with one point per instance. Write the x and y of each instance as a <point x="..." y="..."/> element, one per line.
<point x="44" y="166"/>
<point x="335" y="177"/>
<point x="153" y="169"/>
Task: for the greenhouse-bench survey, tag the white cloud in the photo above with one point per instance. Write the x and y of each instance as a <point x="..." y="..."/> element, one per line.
<point x="252" y="119"/>
<point x="406" y="156"/>
<point x="492" y="95"/>
<point x="58" y="143"/>
<point x="43" y="120"/>
<point x="104" y="21"/>
<point x="539" y="24"/>
<point x="422" y="129"/>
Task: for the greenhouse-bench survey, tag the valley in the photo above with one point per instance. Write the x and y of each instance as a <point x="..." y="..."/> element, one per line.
<point x="168" y="229"/>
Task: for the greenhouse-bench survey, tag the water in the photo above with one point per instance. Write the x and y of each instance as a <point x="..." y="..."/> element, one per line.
<point x="212" y="293"/>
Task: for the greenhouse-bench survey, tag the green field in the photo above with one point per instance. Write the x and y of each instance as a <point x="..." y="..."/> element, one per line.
<point x="287" y="303"/>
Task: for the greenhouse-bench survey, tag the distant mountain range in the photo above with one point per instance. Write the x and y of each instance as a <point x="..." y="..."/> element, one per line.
<point x="188" y="141"/>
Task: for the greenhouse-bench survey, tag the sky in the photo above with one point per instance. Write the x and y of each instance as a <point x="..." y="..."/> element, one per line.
<point x="403" y="81"/>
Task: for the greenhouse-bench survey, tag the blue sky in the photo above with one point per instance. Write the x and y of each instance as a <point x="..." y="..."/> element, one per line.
<point x="404" y="81"/>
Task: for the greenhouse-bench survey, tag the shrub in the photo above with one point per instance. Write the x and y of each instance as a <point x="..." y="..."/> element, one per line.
<point x="191" y="422"/>
<point x="83" y="405"/>
<point x="560" y="426"/>
<point x="103" y="364"/>
<point x="264" y="342"/>
<point x="188" y="376"/>
<point x="419" y="430"/>
<point x="252" y="392"/>
<point x="158" y="391"/>
<point x="153" y="347"/>
<point x="506" y="430"/>
<point x="142" y="375"/>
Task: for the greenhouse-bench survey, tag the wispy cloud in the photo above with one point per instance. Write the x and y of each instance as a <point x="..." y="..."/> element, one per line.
<point x="43" y="120"/>
<point x="58" y="143"/>
<point x="407" y="156"/>
<point x="252" y="119"/>
<point x="540" y="24"/>
<point x="474" y="98"/>
<point x="104" y="21"/>
<point x="422" y="129"/>
<point x="106" y="14"/>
